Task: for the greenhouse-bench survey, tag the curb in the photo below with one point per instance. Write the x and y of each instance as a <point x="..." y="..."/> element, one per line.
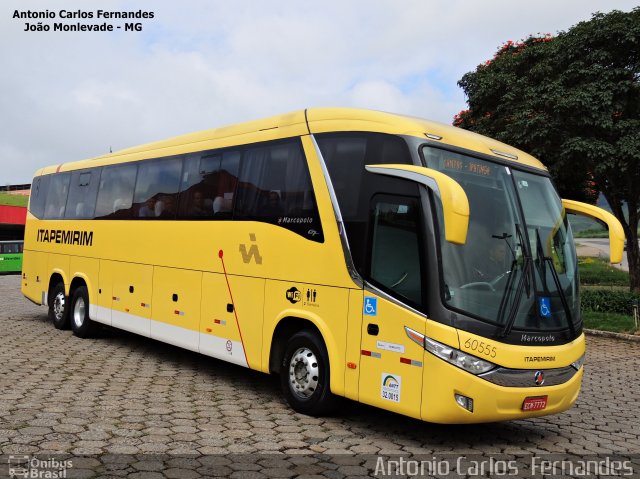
<point x="609" y="334"/>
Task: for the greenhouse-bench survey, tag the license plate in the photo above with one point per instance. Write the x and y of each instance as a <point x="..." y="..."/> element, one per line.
<point x="535" y="403"/>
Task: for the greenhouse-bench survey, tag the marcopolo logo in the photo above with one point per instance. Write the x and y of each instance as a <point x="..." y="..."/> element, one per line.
<point x="530" y="338"/>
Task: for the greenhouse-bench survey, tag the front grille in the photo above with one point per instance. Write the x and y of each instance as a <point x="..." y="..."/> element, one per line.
<point x="524" y="378"/>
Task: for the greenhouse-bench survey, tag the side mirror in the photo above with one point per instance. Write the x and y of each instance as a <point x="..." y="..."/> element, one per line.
<point x="455" y="204"/>
<point x="616" y="233"/>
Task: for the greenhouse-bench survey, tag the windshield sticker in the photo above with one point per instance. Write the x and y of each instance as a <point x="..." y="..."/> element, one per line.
<point x="370" y="306"/>
<point x="545" y="307"/>
<point x="390" y="388"/>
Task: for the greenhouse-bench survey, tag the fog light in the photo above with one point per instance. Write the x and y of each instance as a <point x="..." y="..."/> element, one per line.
<point x="464" y="402"/>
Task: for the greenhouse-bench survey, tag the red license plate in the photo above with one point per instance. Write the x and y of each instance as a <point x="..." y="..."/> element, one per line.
<point x="535" y="403"/>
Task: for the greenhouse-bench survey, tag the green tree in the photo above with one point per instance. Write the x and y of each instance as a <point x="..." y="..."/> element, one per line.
<point x="573" y="101"/>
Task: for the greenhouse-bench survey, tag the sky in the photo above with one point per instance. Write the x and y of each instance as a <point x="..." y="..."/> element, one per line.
<point x="201" y="64"/>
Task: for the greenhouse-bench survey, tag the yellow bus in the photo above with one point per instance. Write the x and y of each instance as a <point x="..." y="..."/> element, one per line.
<point x="394" y="261"/>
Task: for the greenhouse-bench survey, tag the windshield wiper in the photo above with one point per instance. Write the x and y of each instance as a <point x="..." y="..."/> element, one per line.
<point x="513" y="312"/>
<point x="541" y="261"/>
<point x="554" y="274"/>
<point x="507" y="290"/>
<point x="522" y="282"/>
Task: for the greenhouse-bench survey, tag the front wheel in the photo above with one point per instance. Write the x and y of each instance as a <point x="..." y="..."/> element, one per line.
<point x="58" y="310"/>
<point x="81" y="325"/>
<point x="304" y="375"/>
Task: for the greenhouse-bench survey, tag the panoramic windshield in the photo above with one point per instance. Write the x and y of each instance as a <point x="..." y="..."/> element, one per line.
<point x="518" y="268"/>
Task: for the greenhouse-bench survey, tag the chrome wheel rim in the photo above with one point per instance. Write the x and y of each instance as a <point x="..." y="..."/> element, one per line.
<point x="79" y="312"/>
<point x="58" y="306"/>
<point x="303" y="373"/>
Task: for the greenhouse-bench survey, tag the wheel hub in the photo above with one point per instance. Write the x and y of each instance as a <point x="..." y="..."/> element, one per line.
<point x="58" y="306"/>
<point x="79" y="312"/>
<point x="303" y="373"/>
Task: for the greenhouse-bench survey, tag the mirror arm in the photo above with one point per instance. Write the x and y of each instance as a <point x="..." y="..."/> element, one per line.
<point x="616" y="233"/>
<point x="455" y="204"/>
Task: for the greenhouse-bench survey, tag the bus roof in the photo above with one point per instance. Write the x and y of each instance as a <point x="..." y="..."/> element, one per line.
<point x="314" y="120"/>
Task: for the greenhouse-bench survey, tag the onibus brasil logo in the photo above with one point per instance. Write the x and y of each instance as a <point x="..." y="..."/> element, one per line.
<point x="35" y="467"/>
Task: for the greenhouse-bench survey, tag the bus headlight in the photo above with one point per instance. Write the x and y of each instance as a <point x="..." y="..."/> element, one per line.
<point x="470" y="363"/>
<point x="579" y="363"/>
<point x="454" y="356"/>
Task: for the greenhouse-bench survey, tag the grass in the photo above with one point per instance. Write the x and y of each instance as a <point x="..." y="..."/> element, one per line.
<point x="617" y="323"/>
<point x="13" y="200"/>
<point x="598" y="272"/>
<point x="584" y="227"/>
<point x="592" y="233"/>
<point x="582" y="223"/>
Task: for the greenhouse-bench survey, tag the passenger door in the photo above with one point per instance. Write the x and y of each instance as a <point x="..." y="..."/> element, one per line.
<point x="391" y="364"/>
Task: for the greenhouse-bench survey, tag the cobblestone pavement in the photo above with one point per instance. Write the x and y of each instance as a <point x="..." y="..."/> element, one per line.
<point x="134" y="400"/>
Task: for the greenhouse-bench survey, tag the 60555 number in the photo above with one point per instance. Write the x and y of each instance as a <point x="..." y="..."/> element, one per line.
<point x="481" y="347"/>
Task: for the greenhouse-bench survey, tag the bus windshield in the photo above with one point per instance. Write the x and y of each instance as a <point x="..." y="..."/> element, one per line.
<point x="518" y="268"/>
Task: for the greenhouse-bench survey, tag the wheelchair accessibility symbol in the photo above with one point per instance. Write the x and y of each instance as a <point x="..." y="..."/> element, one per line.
<point x="545" y="307"/>
<point x="370" y="306"/>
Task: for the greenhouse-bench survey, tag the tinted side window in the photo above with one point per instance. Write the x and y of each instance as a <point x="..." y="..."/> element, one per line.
<point x="395" y="246"/>
<point x="38" y="198"/>
<point x="57" y="196"/>
<point x="275" y="187"/>
<point x="156" y="194"/>
<point x="345" y="158"/>
<point x="209" y="184"/>
<point x="346" y="155"/>
<point x="115" y="193"/>
<point x="82" y="194"/>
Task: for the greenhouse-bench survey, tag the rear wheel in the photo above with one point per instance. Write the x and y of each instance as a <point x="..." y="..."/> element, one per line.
<point x="81" y="325"/>
<point x="58" y="313"/>
<point x="304" y="375"/>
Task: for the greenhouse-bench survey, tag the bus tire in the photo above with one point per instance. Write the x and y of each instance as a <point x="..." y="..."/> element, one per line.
<point x="81" y="325"/>
<point x="305" y="375"/>
<point x="58" y="310"/>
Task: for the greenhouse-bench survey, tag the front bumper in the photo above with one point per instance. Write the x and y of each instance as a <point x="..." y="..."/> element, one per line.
<point x="491" y="402"/>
